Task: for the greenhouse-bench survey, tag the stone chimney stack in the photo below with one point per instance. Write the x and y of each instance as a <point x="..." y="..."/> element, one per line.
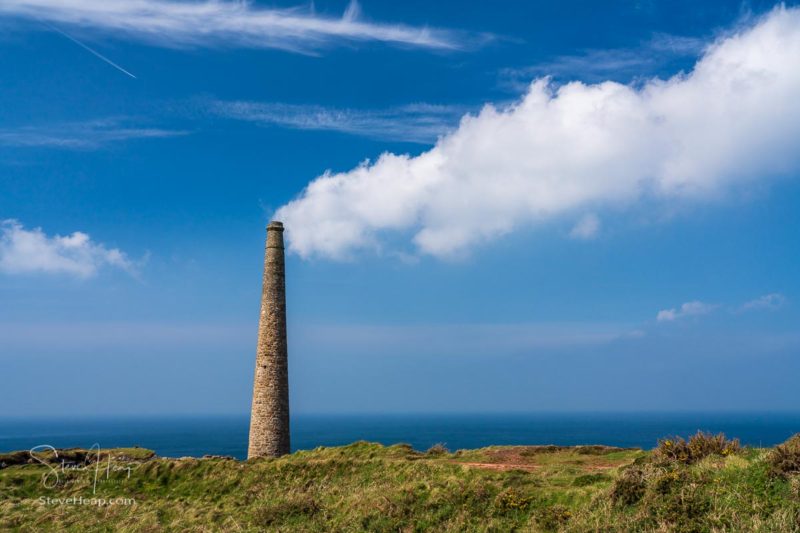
<point x="269" y="418"/>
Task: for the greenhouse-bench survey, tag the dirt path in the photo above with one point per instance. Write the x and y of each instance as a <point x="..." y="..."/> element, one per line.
<point x="503" y="467"/>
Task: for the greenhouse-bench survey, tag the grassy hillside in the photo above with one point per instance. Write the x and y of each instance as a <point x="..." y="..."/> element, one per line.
<point x="700" y="485"/>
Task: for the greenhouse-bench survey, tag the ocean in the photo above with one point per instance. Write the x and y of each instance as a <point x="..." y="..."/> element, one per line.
<point x="178" y="436"/>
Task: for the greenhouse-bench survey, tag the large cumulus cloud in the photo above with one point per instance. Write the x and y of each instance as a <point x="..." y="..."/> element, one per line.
<point x="574" y="149"/>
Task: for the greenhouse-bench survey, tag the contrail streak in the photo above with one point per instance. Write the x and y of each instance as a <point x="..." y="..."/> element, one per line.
<point x="96" y="53"/>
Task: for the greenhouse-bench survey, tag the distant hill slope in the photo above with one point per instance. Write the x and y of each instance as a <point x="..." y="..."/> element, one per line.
<point x="369" y="487"/>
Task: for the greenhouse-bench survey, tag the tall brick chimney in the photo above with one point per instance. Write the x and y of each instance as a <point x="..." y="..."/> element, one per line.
<point x="269" y="417"/>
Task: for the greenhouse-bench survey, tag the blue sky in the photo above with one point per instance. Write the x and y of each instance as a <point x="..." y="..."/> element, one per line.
<point x="622" y="236"/>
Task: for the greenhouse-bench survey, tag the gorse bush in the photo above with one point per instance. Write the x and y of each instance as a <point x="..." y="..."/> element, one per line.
<point x="704" y="444"/>
<point x="684" y="506"/>
<point x="552" y="518"/>
<point x="784" y="459"/>
<point x="699" y="446"/>
<point x="630" y="487"/>
<point x="511" y="499"/>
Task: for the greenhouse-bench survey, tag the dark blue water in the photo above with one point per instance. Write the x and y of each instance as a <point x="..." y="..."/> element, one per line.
<point x="227" y="435"/>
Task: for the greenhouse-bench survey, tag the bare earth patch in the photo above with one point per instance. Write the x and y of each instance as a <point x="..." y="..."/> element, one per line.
<point x="503" y="466"/>
<point x="533" y="458"/>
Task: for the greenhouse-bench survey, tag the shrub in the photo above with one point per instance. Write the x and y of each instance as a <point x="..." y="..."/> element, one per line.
<point x="699" y="446"/>
<point x="511" y="500"/>
<point x="686" y="508"/>
<point x="553" y="517"/>
<point x="672" y="450"/>
<point x="784" y="459"/>
<point x="666" y="481"/>
<point x="704" y="444"/>
<point x="630" y="487"/>
<point x="438" y="449"/>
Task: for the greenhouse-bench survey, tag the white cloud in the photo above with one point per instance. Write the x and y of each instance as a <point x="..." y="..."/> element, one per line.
<point x="586" y="228"/>
<point x="694" y="308"/>
<point x="32" y="251"/>
<point x="733" y="120"/>
<point x="211" y="23"/>
<point x="81" y="135"/>
<point x="768" y="302"/>
<point x="420" y="123"/>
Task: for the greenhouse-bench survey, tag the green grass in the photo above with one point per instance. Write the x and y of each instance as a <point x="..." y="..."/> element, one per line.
<point x="369" y="487"/>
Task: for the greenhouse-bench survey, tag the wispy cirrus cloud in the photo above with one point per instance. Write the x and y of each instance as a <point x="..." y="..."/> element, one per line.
<point x="231" y="23"/>
<point x="86" y="135"/>
<point x="619" y="64"/>
<point x="24" y="251"/>
<point x="418" y="123"/>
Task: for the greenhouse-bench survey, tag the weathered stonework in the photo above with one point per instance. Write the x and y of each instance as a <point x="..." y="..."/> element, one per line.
<point x="269" y="418"/>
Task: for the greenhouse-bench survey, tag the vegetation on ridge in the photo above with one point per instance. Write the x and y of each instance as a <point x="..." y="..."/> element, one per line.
<point x="708" y="483"/>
